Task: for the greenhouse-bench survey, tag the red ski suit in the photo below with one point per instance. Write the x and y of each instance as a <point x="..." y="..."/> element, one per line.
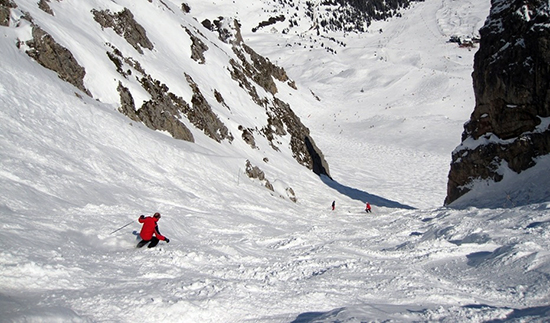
<point x="149" y="228"/>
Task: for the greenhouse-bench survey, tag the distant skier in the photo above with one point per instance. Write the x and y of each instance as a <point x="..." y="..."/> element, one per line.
<point x="368" y="208"/>
<point x="150" y="231"/>
<point x="333" y="205"/>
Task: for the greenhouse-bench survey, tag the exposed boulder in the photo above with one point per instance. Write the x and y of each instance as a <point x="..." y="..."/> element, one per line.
<point x="124" y="24"/>
<point x="202" y="116"/>
<point x="248" y="137"/>
<point x="255" y="172"/>
<point x="5" y="6"/>
<point x="228" y="31"/>
<point x="48" y="53"/>
<point x="303" y="147"/>
<point x="512" y="89"/>
<point x="161" y="112"/>
<point x="198" y="47"/>
<point x="277" y="187"/>
<point x="44" y="6"/>
<point x="185" y="8"/>
<point x="291" y="195"/>
<point x="165" y="109"/>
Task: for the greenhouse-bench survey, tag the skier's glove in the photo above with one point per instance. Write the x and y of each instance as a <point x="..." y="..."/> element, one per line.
<point x="141" y="216"/>
<point x="167" y="240"/>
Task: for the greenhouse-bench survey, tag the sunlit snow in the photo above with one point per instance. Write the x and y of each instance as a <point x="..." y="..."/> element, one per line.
<point x="391" y="107"/>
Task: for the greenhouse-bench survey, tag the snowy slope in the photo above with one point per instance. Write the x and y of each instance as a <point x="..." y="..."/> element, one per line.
<point x="395" y="100"/>
<point x="74" y="170"/>
<point x="392" y="102"/>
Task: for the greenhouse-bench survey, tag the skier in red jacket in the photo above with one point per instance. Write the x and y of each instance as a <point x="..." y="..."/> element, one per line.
<point x="150" y="231"/>
<point x="368" y="208"/>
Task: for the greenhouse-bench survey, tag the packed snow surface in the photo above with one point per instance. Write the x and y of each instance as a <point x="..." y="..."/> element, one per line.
<point x="76" y="174"/>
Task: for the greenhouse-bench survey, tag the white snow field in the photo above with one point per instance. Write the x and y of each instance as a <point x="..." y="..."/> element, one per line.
<point x="392" y="104"/>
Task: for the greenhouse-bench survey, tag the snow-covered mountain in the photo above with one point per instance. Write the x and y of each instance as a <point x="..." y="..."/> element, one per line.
<point x="206" y="83"/>
<point x="89" y="145"/>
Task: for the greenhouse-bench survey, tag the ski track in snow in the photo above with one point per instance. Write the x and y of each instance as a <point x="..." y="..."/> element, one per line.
<point x="74" y="170"/>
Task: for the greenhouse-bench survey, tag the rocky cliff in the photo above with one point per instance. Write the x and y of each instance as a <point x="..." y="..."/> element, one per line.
<point x="509" y="128"/>
<point x="204" y="81"/>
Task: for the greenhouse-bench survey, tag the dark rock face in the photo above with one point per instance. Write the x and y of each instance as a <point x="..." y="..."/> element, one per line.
<point x="303" y="147"/>
<point x="185" y="8"/>
<point x="248" y="137"/>
<point x="5" y="6"/>
<point x="198" y="47"/>
<point x="255" y="172"/>
<point x="48" y="53"/>
<point x="280" y="117"/>
<point x="124" y="24"/>
<point x="44" y="6"/>
<point x="512" y="88"/>
<point x="165" y="109"/>
<point x="159" y="113"/>
<point x="202" y="116"/>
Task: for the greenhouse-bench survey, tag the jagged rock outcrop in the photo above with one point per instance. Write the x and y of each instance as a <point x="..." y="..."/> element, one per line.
<point x="44" y="6"/>
<point x="259" y="68"/>
<point x="161" y="112"/>
<point x="257" y="173"/>
<point x="512" y="88"/>
<point x="202" y="116"/>
<point x="124" y="24"/>
<point x="48" y="53"/>
<point x="185" y="8"/>
<point x="284" y="191"/>
<point x="165" y="109"/>
<point x="280" y="117"/>
<point x="5" y="6"/>
<point x="198" y="47"/>
<point x="248" y="137"/>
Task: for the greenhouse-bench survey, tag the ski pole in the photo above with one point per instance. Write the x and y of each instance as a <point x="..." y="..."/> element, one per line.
<point x="122" y="227"/>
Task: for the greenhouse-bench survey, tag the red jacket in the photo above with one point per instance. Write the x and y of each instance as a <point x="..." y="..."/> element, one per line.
<point x="149" y="228"/>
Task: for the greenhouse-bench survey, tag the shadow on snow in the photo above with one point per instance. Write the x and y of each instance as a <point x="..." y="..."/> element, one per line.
<point x="537" y="313"/>
<point x="317" y="316"/>
<point x="362" y="196"/>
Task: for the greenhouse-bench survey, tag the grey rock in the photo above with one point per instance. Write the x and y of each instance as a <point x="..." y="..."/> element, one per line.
<point x="5" y="6"/>
<point x="48" y="53"/>
<point x="124" y="24"/>
<point x="512" y="89"/>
